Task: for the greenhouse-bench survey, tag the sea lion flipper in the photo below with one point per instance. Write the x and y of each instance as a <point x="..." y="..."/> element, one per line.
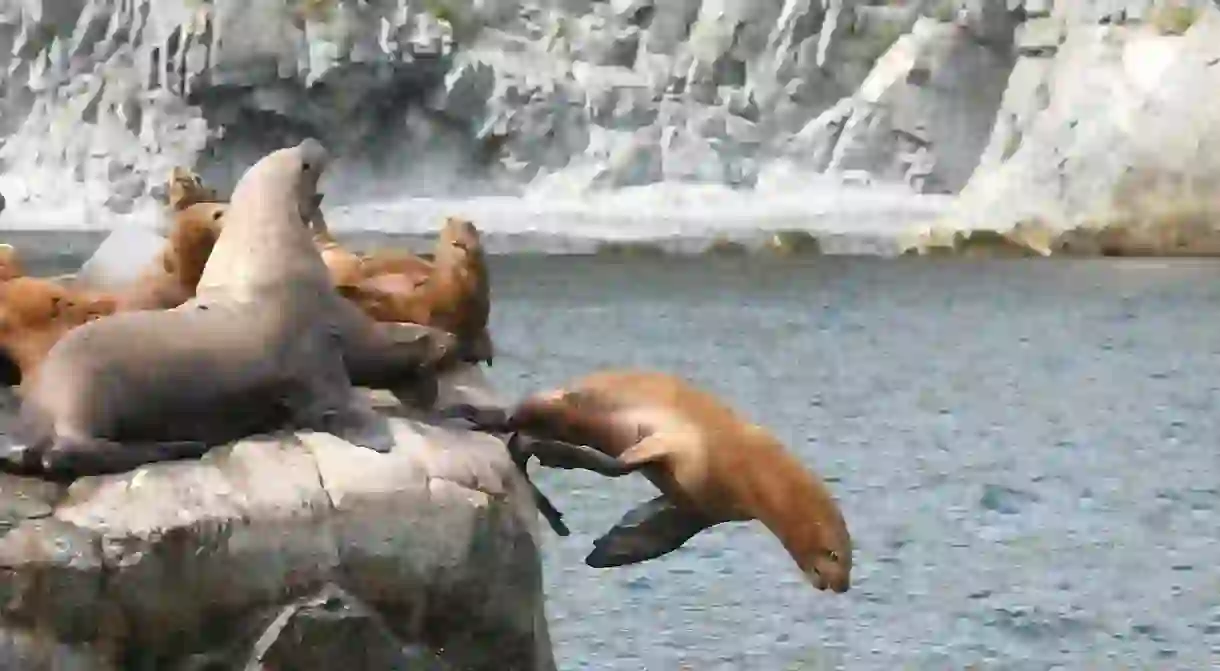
<point x="558" y="454"/>
<point x="549" y="512"/>
<point x="77" y="457"/>
<point x="355" y="422"/>
<point x="648" y="531"/>
<point x="482" y="418"/>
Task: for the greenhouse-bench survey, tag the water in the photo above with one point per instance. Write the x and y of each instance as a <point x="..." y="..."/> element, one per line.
<point x="1024" y="450"/>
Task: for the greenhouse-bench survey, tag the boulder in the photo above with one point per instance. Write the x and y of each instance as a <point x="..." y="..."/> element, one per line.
<point x="282" y="551"/>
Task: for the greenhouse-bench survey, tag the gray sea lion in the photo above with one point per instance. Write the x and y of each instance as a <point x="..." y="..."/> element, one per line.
<point x="260" y="346"/>
<point x="711" y="465"/>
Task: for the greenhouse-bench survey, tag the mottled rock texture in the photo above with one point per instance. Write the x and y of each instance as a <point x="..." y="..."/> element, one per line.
<point x="287" y="551"/>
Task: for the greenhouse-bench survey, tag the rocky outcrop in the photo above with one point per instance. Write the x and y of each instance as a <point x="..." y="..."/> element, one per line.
<point x="281" y="552"/>
<point x="1039" y="110"/>
<point x="1106" y="131"/>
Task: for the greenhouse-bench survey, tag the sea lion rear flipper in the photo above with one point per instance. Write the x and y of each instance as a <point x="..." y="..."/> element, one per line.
<point x="483" y="418"/>
<point x="647" y="531"/>
<point x="549" y="512"/>
<point x="73" y="457"/>
<point x="558" y="454"/>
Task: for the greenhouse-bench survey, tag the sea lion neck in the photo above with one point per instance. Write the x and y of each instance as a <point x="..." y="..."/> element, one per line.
<point x="264" y="246"/>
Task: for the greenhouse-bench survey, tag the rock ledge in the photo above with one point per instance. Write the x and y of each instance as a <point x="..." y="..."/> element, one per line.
<point x="285" y="551"/>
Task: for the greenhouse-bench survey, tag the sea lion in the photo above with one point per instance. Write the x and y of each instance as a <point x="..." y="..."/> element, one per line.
<point x="35" y="313"/>
<point x="454" y="296"/>
<point x="10" y="263"/>
<point x="171" y="279"/>
<point x="711" y="465"/>
<point x="261" y="345"/>
<point x="397" y="262"/>
<point x="185" y="188"/>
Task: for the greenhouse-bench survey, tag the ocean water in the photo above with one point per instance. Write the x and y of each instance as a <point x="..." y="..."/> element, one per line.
<point x="1025" y="452"/>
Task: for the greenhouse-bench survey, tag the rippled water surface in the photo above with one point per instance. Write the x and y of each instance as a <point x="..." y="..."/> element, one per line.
<point x="1026" y="453"/>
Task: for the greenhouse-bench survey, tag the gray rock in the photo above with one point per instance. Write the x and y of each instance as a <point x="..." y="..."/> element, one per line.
<point x="935" y="92"/>
<point x="283" y="551"/>
<point x="1109" y="129"/>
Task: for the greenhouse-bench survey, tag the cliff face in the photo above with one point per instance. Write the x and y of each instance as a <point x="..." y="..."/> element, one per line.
<point x="986" y="97"/>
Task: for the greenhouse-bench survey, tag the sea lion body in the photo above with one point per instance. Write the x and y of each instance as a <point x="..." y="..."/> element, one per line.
<point x="259" y="346"/>
<point x="35" y="313"/>
<point x="454" y="294"/>
<point x="396" y="262"/>
<point x="170" y="280"/>
<point x="710" y="464"/>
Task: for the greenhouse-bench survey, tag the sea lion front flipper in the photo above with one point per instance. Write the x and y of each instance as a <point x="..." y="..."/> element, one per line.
<point x="77" y="457"/>
<point x="362" y="426"/>
<point x="327" y="401"/>
<point x="648" y="531"/>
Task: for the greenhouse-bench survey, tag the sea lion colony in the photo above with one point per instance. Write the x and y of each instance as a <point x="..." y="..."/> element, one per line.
<point x="398" y="317"/>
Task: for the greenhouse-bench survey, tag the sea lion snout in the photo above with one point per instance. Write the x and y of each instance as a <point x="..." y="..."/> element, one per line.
<point x="828" y="572"/>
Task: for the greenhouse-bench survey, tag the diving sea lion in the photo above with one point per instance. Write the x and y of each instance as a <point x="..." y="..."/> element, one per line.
<point x="10" y="263"/>
<point x="711" y="465"/>
<point x="171" y="279"/>
<point x="35" y="313"/>
<point x="454" y="296"/>
<point x="185" y="188"/>
<point x="261" y="345"/>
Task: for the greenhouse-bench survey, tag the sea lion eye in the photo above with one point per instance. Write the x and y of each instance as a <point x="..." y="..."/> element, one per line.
<point x="834" y="556"/>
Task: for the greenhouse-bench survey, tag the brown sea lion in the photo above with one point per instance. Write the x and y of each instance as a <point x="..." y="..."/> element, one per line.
<point x="170" y="281"/>
<point x="397" y="262"/>
<point x="348" y="268"/>
<point x="35" y="313"/>
<point x="711" y="465"/>
<point x="10" y="263"/>
<point x="185" y="188"/>
<point x="262" y="345"/>
<point x="454" y="296"/>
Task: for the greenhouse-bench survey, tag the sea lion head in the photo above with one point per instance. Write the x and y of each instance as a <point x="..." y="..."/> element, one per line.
<point x="461" y="235"/>
<point x="185" y="188"/>
<point x="10" y="264"/>
<point x="285" y="179"/>
<point x="312" y="159"/>
<point x="826" y="558"/>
